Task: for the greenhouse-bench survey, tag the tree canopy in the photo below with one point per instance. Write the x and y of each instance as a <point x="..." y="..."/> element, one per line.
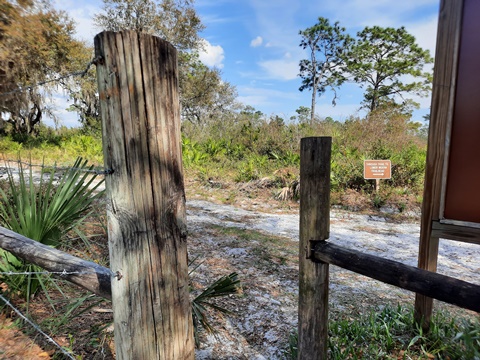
<point x="389" y="64"/>
<point x="36" y="45"/>
<point x="203" y="94"/>
<point x="386" y="62"/>
<point x="173" y="20"/>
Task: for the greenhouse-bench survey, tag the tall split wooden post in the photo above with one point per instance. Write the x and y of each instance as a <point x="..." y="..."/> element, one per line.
<point x="443" y="100"/>
<point x="138" y="88"/>
<point x="315" y="154"/>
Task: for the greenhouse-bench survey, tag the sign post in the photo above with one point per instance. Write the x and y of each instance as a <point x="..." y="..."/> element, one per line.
<point x="377" y="169"/>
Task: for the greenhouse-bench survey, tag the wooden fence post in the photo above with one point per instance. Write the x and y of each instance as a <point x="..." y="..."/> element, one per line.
<point x="315" y="154"/>
<point x="138" y="87"/>
<point x="443" y="103"/>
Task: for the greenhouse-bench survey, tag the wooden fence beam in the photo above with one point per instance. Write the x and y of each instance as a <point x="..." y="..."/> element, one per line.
<point x="85" y="274"/>
<point x="140" y="109"/>
<point x="427" y="283"/>
<point x="315" y="154"/>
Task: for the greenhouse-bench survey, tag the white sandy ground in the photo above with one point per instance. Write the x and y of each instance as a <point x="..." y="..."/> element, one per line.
<point x="266" y="312"/>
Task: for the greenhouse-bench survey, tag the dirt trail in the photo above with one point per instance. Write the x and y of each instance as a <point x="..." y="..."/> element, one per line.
<point x="267" y="309"/>
<point x="373" y="234"/>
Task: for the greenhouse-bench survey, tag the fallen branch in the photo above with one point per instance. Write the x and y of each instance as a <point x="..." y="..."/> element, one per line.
<point x="86" y="274"/>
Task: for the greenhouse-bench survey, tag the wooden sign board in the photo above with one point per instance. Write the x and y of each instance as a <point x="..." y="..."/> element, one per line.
<point x="462" y="191"/>
<point x="377" y="169"/>
<point x="453" y="165"/>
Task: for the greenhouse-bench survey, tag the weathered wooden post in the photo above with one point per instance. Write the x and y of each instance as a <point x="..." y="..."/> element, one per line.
<point x="315" y="154"/>
<point x="138" y="87"/>
<point x="445" y="79"/>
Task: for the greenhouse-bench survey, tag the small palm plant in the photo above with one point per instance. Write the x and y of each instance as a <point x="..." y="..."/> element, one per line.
<point x="44" y="212"/>
<point x="224" y="286"/>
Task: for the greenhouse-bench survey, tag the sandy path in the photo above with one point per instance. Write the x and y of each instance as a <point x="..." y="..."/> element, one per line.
<point x="267" y="309"/>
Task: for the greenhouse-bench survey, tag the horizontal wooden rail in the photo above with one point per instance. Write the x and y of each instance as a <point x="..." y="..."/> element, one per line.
<point x="441" y="287"/>
<point x="86" y="274"/>
<point x="456" y="232"/>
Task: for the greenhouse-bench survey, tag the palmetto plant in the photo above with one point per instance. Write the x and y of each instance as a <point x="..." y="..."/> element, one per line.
<point x="193" y="153"/>
<point x="44" y="211"/>
<point x="224" y="286"/>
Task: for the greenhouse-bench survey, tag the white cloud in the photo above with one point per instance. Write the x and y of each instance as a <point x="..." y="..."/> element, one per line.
<point x="267" y="99"/>
<point x="82" y="16"/>
<point x="66" y="118"/>
<point x="258" y="41"/>
<point x="212" y="55"/>
<point x="271" y="101"/>
<point x="84" y="19"/>
<point x="425" y="33"/>
<point x="276" y="21"/>
<point x="282" y="69"/>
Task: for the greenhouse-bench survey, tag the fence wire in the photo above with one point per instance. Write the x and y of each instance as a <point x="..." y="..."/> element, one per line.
<point x="55" y="168"/>
<point x="37" y="328"/>
<point x="61" y="273"/>
<point x="57" y="79"/>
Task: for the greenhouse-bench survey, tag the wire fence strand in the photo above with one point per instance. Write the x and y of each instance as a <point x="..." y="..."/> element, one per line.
<point x="37" y="328"/>
<point x="61" y="273"/>
<point x="97" y="171"/>
<point x="57" y="79"/>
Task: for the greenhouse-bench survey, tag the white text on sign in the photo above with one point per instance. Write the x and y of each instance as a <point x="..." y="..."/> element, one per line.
<point x="377" y="169"/>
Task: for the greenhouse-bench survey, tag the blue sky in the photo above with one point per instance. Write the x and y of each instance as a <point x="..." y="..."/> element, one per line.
<point x="255" y="43"/>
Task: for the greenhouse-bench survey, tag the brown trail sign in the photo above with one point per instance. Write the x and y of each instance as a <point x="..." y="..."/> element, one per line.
<point x="377" y="169"/>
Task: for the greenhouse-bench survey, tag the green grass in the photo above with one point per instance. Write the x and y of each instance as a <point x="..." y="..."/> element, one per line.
<point x="61" y="149"/>
<point x="239" y="157"/>
<point x="391" y="333"/>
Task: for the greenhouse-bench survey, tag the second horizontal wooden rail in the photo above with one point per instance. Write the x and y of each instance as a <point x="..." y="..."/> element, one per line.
<point x="434" y="285"/>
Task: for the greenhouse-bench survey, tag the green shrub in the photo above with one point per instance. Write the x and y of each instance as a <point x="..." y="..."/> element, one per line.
<point x="7" y="144"/>
<point x="192" y="153"/>
<point x="224" y="286"/>
<point x="247" y="171"/>
<point x="408" y="167"/>
<point x="44" y="212"/>
<point x="87" y="146"/>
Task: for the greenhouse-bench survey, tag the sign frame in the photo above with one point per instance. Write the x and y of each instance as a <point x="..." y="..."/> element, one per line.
<point x="451" y="49"/>
<point x="377" y="169"/>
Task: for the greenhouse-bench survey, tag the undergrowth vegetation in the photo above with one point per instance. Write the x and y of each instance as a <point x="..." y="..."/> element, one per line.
<point x="391" y="333"/>
<point x="49" y="205"/>
<point x="43" y="207"/>
<point x="61" y="146"/>
<point x="250" y="146"/>
<point x="254" y="148"/>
